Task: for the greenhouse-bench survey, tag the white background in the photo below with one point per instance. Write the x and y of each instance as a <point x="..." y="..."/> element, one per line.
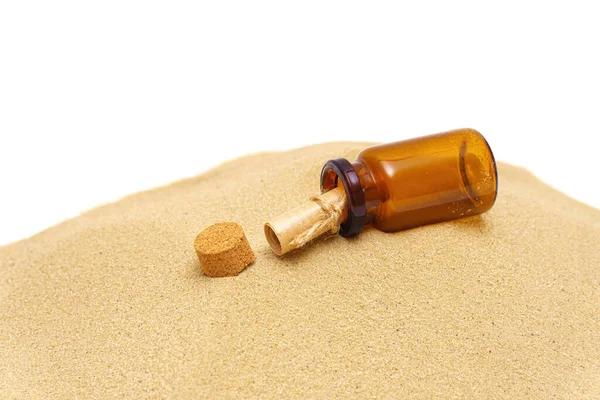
<point x="101" y="99"/>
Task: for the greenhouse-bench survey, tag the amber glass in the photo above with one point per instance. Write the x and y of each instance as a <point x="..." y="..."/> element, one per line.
<point x="426" y="180"/>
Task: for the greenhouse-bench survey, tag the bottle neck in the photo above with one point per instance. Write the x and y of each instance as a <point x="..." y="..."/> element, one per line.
<point x="369" y="186"/>
<point x="362" y="196"/>
<point x="339" y="171"/>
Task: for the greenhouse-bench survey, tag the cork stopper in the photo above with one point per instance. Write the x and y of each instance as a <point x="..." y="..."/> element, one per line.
<point x="223" y="249"/>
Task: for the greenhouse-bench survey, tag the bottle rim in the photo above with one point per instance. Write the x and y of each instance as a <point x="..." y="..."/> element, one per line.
<point x="340" y="169"/>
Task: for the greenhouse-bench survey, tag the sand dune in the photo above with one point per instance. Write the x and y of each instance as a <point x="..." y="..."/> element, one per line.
<point x="111" y="304"/>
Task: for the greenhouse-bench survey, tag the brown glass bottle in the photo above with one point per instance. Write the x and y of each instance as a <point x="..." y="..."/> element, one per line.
<point x="415" y="182"/>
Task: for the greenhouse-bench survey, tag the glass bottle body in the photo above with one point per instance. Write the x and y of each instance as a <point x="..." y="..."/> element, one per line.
<point x="415" y="182"/>
<point x="428" y="179"/>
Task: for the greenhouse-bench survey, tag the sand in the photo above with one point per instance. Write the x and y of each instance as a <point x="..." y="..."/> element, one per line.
<point x="112" y="304"/>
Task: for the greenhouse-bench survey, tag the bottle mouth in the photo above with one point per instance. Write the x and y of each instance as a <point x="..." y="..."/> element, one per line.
<point x="340" y="169"/>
